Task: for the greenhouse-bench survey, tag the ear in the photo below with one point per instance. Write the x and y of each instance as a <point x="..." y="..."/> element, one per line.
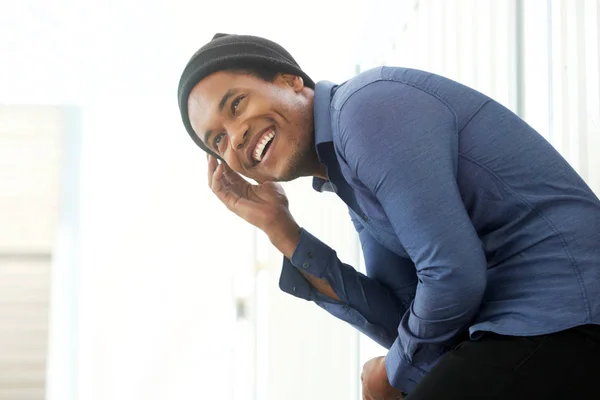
<point x="294" y="81"/>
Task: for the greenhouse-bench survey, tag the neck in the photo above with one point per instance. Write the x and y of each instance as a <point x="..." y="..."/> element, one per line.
<point x="321" y="172"/>
<point x="314" y="167"/>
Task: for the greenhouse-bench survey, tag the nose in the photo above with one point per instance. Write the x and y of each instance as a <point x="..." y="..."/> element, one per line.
<point x="238" y="135"/>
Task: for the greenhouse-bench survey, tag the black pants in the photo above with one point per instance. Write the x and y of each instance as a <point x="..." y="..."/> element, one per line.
<point x="563" y="365"/>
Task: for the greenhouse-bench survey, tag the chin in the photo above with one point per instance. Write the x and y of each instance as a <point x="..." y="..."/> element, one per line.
<point x="286" y="171"/>
<point x="287" y="176"/>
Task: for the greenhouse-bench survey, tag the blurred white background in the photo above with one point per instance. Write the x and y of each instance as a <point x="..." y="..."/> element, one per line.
<point x="121" y="277"/>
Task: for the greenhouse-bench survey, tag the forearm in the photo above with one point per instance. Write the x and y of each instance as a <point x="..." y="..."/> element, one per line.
<point x="359" y="300"/>
<point x="285" y="237"/>
<point x="349" y="295"/>
<point x="321" y="285"/>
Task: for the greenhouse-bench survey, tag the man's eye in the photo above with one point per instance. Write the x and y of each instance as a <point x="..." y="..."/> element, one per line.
<point x="235" y="104"/>
<point x="218" y="140"/>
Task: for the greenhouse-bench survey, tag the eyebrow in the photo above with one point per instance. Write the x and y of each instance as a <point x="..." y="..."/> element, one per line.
<point x="226" y="97"/>
<point x="222" y="103"/>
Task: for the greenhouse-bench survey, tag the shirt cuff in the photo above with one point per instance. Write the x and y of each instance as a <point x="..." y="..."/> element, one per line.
<point x="312" y="255"/>
<point x="404" y="372"/>
<point x="292" y="282"/>
<point x="401" y="373"/>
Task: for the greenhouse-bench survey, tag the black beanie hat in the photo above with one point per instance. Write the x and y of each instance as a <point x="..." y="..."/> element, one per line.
<point x="232" y="51"/>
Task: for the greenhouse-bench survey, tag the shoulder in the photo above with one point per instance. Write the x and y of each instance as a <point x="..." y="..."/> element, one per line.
<point x="347" y="89"/>
<point x="371" y="81"/>
<point x="387" y="102"/>
<point x="388" y="95"/>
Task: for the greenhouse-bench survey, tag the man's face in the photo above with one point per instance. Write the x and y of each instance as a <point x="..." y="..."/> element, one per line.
<point x="263" y="130"/>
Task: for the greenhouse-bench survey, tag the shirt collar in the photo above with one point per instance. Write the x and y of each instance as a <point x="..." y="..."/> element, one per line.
<point x="322" y="110"/>
<point x="323" y="134"/>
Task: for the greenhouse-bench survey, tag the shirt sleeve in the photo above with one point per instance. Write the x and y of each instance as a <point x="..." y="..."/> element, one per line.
<point x="396" y="273"/>
<point x="402" y="145"/>
<point x="365" y="303"/>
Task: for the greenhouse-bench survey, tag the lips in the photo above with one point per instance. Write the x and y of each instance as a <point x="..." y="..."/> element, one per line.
<point x="258" y="145"/>
<point x="262" y="145"/>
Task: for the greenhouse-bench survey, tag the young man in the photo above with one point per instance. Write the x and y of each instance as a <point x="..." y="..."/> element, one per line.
<point x="482" y="245"/>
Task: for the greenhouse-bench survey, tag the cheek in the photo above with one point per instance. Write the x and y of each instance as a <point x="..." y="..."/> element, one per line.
<point x="239" y="168"/>
<point x="294" y="113"/>
<point x="253" y="173"/>
<point x="234" y="164"/>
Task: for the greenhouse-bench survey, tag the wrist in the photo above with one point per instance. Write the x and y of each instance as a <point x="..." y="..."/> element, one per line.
<point x="284" y="235"/>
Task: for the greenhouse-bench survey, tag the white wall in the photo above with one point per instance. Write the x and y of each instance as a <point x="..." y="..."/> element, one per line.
<point x="300" y="335"/>
<point x="30" y="168"/>
<point x="158" y="254"/>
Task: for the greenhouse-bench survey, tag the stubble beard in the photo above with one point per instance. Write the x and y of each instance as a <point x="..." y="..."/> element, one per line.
<point x="299" y="163"/>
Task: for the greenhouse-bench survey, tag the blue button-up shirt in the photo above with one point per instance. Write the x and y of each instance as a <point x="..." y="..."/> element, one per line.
<point x="468" y="220"/>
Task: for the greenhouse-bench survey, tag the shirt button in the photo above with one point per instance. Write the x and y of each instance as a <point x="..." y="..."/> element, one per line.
<point x="309" y="254"/>
<point x="366" y="217"/>
<point x="305" y="265"/>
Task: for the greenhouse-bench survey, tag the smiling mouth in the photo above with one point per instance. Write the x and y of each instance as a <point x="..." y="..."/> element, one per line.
<point x="263" y="145"/>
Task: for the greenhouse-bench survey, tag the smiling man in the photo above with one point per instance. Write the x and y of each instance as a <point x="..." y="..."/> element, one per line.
<point x="481" y="244"/>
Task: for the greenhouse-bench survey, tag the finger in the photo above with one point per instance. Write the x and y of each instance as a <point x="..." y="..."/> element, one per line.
<point x="366" y="392"/>
<point x="217" y="179"/>
<point x="213" y="164"/>
<point x="228" y="186"/>
<point x="220" y="188"/>
<point x="231" y="175"/>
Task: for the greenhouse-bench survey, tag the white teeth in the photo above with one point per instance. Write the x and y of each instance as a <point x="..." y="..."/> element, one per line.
<point x="260" y="147"/>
